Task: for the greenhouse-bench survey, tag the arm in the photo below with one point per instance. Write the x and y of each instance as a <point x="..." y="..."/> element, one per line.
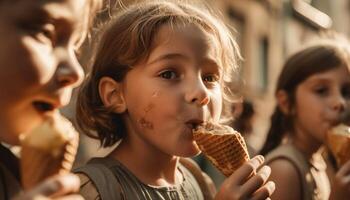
<point x="245" y="183"/>
<point x="57" y="187"/>
<point x="286" y="177"/>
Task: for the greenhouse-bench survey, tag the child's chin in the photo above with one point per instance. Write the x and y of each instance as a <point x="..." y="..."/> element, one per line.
<point x="194" y="151"/>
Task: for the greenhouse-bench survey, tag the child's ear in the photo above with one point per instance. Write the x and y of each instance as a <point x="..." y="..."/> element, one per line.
<point x="111" y="94"/>
<point x="283" y="101"/>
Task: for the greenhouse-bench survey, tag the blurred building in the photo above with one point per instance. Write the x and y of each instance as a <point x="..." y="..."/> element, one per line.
<point x="267" y="31"/>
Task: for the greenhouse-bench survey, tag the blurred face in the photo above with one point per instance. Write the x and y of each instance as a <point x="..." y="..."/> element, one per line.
<point x="320" y="100"/>
<point x="174" y="90"/>
<point x="38" y="64"/>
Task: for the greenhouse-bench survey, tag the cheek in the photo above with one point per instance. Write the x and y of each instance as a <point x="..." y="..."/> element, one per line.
<point x="215" y="106"/>
<point x="161" y="106"/>
<point x="38" y="63"/>
<point x="149" y="108"/>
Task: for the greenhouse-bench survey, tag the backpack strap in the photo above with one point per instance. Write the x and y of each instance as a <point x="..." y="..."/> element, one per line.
<point x="208" y="189"/>
<point x="103" y="178"/>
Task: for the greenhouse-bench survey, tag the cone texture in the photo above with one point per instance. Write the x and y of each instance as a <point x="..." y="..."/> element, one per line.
<point x="226" y="151"/>
<point x="38" y="164"/>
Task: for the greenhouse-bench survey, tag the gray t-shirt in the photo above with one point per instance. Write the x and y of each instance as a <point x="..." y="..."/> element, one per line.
<point x="132" y="188"/>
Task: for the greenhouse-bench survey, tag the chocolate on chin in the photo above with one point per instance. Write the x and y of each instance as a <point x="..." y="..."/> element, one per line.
<point x="224" y="147"/>
<point x="338" y="142"/>
<point x="48" y="150"/>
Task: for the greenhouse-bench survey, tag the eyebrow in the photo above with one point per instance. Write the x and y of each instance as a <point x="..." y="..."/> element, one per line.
<point x="51" y="12"/>
<point x="169" y="56"/>
<point x="172" y="56"/>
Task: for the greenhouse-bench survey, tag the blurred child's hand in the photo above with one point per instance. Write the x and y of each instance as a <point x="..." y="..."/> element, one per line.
<point x="341" y="183"/>
<point x="57" y="187"/>
<point x="245" y="183"/>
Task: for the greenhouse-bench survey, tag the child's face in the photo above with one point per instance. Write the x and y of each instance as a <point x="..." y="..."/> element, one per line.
<point x="320" y="100"/>
<point x="38" y="64"/>
<point x="175" y="89"/>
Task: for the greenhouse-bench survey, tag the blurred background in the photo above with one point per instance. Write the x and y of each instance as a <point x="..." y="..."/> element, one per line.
<point x="267" y="31"/>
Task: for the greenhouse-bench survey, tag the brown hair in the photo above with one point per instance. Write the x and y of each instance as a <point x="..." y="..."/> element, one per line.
<point x="126" y="40"/>
<point x="323" y="55"/>
<point x="94" y="7"/>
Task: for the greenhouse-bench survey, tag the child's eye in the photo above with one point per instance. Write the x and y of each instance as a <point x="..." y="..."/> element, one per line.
<point x="322" y="91"/>
<point x="44" y="33"/>
<point x="168" y="74"/>
<point x="210" y="78"/>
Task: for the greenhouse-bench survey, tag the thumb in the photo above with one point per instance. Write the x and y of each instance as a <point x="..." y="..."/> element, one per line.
<point x="55" y="186"/>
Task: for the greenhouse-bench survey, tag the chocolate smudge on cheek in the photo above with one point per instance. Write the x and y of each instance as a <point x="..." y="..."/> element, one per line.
<point x="148" y="108"/>
<point x="155" y="94"/>
<point x="145" y="123"/>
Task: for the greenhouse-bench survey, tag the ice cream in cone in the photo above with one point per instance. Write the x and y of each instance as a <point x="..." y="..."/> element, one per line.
<point x="224" y="147"/>
<point x="338" y="142"/>
<point x="48" y="150"/>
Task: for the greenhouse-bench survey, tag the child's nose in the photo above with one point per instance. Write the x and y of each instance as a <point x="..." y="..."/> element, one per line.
<point x="339" y="103"/>
<point x="69" y="71"/>
<point x="198" y="94"/>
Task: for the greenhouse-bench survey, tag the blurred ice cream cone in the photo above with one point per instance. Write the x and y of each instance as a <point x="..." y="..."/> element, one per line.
<point x="338" y="142"/>
<point x="48" y="150"/>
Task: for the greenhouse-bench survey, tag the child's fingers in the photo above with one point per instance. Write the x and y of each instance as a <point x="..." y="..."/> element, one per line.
<point x="40" y="197"/>
<point x="264" y="192"/>
<point x="255" y="182"/>
<point x="70" y="197"/>
<point x="248" y="169"/>
<point x="57" y="186"/>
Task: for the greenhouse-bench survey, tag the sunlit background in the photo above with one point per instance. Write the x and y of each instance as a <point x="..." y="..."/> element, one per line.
<point x="267" y="31"/>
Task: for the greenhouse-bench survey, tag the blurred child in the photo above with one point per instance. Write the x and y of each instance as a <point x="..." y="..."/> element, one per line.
<point x="160" y="70"/>
<point x="39" y="69"/>
<point x="313" y="91"/>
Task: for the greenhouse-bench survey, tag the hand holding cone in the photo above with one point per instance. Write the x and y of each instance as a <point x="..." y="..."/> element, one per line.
<point x="48" y="150"/>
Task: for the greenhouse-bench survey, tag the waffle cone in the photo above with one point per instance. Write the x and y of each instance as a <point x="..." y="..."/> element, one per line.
<point x="338" y="142"/>
<point x="226" y="151"/>
<point x="37" y="164"/>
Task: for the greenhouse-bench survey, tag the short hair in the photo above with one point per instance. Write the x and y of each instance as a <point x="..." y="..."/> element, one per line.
<point x="127" y="39"/>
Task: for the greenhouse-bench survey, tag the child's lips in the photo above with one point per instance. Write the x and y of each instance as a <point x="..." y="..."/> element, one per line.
<point x="194" y="123"/>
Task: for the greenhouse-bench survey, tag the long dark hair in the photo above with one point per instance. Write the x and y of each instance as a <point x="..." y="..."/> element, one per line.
<point x="317" y="58"/>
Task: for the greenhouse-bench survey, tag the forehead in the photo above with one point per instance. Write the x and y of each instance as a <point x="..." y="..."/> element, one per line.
<point x="336" y="74"/>
<point x="191" y="40"/>
<point x="71" y="10"/>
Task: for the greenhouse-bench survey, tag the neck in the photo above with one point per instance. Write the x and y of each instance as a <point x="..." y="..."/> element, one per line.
<point x="305" y="143"/>
<point x="148" y="164"/>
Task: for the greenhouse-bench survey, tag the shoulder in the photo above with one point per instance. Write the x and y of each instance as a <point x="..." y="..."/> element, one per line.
<point x="87" y="188"/>
<point x="286" y="176"/>
<point x="205" y="183"/>
<point x="99" y="179"/>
